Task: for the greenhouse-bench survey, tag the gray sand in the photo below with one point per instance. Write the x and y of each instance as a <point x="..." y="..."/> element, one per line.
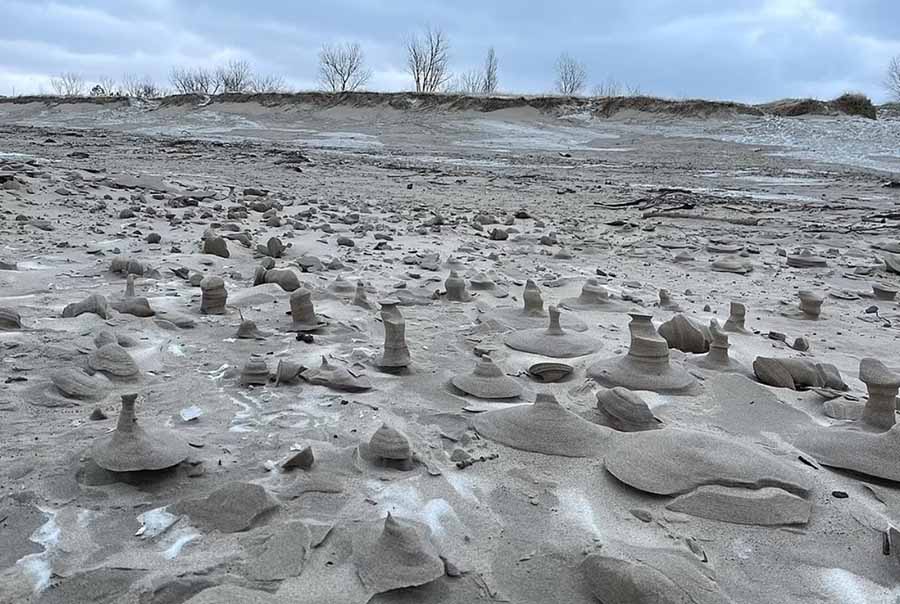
<point x="410" y="189"/>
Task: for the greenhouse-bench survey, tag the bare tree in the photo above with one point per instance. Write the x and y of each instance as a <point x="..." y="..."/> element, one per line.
<point x="263" y="84"/>
<point x="469" y="82"/>
<point x="892" y="82"/>
<point x="140" y="87"/>
<point x="489" y="79"/>
<point x="342" y="68"/>
<point x="607" y="88"/>
<point x="570" y="75"/>
<point x="68" y="84"/>
<point x="234" y="76"/>
<point x="427" y="60"/>
<point x="106" y="86"/>
<point x="196" y="80"/>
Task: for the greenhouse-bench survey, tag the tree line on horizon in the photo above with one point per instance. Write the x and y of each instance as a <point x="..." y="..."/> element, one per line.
<point x="342" y="68"/>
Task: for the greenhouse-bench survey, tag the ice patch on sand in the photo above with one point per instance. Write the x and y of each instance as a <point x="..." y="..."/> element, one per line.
<point x="847" y="588"/>
<point x="155" y="522"/>
<point x="576" y="507"/>
<point x="37" y="566"/>
<point x="463" y="486"/>
<point x="179" y="542"/>
<point x="405" y="501"/>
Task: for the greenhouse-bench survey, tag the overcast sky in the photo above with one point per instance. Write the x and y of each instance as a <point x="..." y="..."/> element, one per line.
<point x="745" y="50"/>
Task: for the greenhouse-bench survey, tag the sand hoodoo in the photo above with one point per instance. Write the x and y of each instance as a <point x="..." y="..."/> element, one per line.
<point x="483" y="282"/>
<point x="337" y="377"/>
<point x="891" y="262"/>
<point x="623" y="410"/>
<point x="126" y="266"/>
<point x="550" y="372"/>
<point x="732" y="264"/>
<point x="303" y="314"/>
<point x="884" y="291"/>
<point x="114" y="361"/>
<point x="810" y="304"/>
<point x="456" y="288"/>
<point x="736" y="317"/>
<point x="881" y="409"/>
<point x="487" y="381"/>
<point x="215" y="245"/>
<point x="396" y="352"/>
<point x="273" y="248"/>
<point x="806" y="259"/>
<point x="646" y="366"/>
<point x="717" y="358"/>
<point x="594" y="296"/>
<point x="543" y="427"/>
<point x="359" y="296"/>
<point x="105" y="336"/>
<point x="75" y="383"/>
<point x="95" y="303"/>
<point x="341" y="287"/>
<point x="553" y="341"/>
<point x="532" y="314"/>
<point x="395" y="554"/>
<point x="284" y="278"/>
<point x="797" y="374"/>
<point x="666" y="302"/>
<point x="388" y="447"/>
<point x="213" y="296"/>
<point x="9" y="319"/>
<point x="287" y="371"/>
<point x="248" y="330"/>
<point x="255" y="372"/>
<point x="624" y="573"/>
<point x="685" y="335"/>
<point x="672" y="461"/>
<point x="132" y="305"/>
<point x="132" y="448"/>
<point x="129" y="286"/>
<point x="532" y="299"/>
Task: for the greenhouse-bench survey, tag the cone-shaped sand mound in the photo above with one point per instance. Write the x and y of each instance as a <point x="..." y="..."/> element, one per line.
<point x="131" y="448"/>
<point x="544" y="427"/>
<point x="487" y="381"/>
<point x="553" y="341"/>
<point x="395" y="553"/>
<point x="646" y="366"/>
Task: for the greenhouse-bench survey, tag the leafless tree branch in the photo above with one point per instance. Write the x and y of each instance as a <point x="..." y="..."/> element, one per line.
<point x="489" y="80"/>
<point x="892" y="81"/>
<point x="263" y="84"/>
<point x="427" y="60"/>
<point x="570" y="75"/>
<point x="140" y="87"/>
<point x="234" y="76"/>
<point x="106" y="86"/>
<point x="469" y="82"/>
<point x="68" y="84"/>
<point x="342" y="68"/>
<point x="194" y="80"/>
<point x="607" y="88"/>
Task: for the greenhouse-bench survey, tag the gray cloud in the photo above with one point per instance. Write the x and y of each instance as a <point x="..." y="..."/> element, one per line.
<point x="749" y="50"/>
